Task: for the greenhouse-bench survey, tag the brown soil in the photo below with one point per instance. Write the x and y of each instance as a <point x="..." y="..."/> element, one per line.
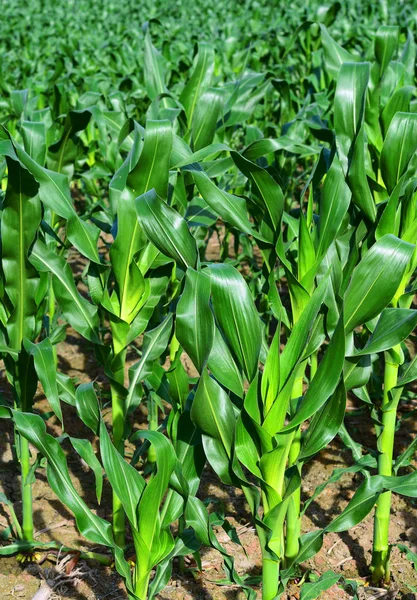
<point x="347" y="553"/>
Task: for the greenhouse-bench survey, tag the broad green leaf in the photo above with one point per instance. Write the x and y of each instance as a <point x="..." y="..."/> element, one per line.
<point x="125" y="480"/>
<point x="325" y="381"/>
<point x="85" y="450"/>
<point x="63" y="153"/>
<point x="199" y="80"/>
<point x="394" y="325"/>
<point x="310" y="544"/>
<point x="375" y="280"/>
<point x="205" y="118"/>
<point x="349" y="106"/>
<point x="166" y="229"/>
<point x="54" y="192"/>
<point x="19" y="223"/>
<point x="399" y="146"/>
<point x="153" y="69"/>
<point x="212" y="412"/>
<point x="334" y="203"/>
<point x="229" y="207"/>
<point x="334" y="54"/>
<point x="34" y="139"/>
<point x="80" y="313"/>
<point x="386" y="43"/>
<point x="361" y="504"/>
<point x="223" y="366"/>
<point x="194" y="323"/>
<point x="265" y="187"/>
<point x="325" y="424"/>
<point x="151" y="172"/>
<point x="271" y="374"/>
<point x="236" y="315"/>
<point x="46" y="370"/>
<point x="87" y="406"/>
<point x="155" y="343"/>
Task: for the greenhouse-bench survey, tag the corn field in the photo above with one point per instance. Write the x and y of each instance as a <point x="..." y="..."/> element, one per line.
<point x="208" y="300"/>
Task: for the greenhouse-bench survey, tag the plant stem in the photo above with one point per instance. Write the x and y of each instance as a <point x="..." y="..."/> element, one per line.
<point x="293" y="519"/>
<point x="118" y="419"/>
<point x="51" y="305"/>
<point x="27" y="511"/>
<point x="181" y="561"/>
<point x="142" y="575"/>
<point x="381" y="550"/>
<point x="153" y="426"/>
<point x="270" y="578"/>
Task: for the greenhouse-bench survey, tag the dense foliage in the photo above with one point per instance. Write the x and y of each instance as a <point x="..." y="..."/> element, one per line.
<point x="133" y="135"/>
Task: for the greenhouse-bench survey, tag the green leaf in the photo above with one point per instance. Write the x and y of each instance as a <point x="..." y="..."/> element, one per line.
<point x="223" y="366"/>
<point x="310" y="544"/>
<point x="394" y="325"/>
<point x="325" y="381"/>
<point x="334" y="202"/>
<point x="155" y="343"/>
<point x="334" y="54"/>
<point x="85" y="450"/>
<point x="311" y="591"/>
<point x="236" y="315"/>
<point x="87" y="406"/>
<point x="126" y="482"/>
<point x="46" y="370"/>
<point x="166" y="229"/>
<point x="199" y="80"/>
<point x="325" y="424"/>
<point x="94" y="528"/>
<point x="20" y="220"/>
<point x="361" y="504"/>
<point x="212" y="412"/>
<point x="399" y="146"/>
<point x="54" y="192"/>
<point x="153" y="69"/>
<point x="77" y="310"/>
<point x="271" y="374"/>
<point x="375" y="280"/>
<point x="151" y="172"/>
<point x="349" y="107"/>
<point x="229" y="207"/>
<point x="206" y="117"/>
<point x="34" y="139"/>
<point x="194" y="324"/>
<point x="265" y="187"/>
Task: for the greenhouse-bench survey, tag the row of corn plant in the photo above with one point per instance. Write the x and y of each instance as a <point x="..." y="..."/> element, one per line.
<point x="273" y="374"/>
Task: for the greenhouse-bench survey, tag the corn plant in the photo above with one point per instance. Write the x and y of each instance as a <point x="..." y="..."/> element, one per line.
<point x="290" y="137"/>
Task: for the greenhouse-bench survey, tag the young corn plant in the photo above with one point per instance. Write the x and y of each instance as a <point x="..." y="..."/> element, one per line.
<point x="25" y="289"/>
<point x="152" y="538"/>
<point x="376" y="141"/>
<point x="126" y="296"/>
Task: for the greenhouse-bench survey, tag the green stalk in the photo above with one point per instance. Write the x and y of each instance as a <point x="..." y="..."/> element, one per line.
<point x="381" y="551"/>
<point x="152" y="426"/>
<point x="51" y="304"/>
<point x="293" y="519"/>
<point x="118" y="421"/>
<point x="181" y="559"/>
<point x="24" y="459"/>
<point x="140" y="580"/>
<point x="27" y="511"/>
<point x="270" y="578"/>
